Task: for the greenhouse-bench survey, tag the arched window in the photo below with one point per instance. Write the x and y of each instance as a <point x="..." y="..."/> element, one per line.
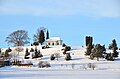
<point x="53" y="44"/>
<point x="57" y="43"/>
<point x="48" y="43"/>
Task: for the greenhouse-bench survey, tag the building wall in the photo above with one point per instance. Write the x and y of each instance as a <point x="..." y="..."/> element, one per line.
<point x="54" y="43"/>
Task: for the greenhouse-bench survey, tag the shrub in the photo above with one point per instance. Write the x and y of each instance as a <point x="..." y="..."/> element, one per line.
<point x="67" y="48"/>
<point x="91" y="65"/>
<point x="31" y="50"/>
<point x="109" y="57"/>
<point x="68" y="57"/>
<point x="64" y="52"/>
<point x="63" y="45"/>
<point x="8" y="50"/>
<point x="57" y="55"/>
<point x="47" y="46"/>
<point x="43" y="64"/>
<point x="35" y="43"/>
<point x="39" y="54"/>
<point x="43" y="47"/>
<point x="26" y="54"/>
<point x="52" y="57"/>
<point x="36" y="54"/>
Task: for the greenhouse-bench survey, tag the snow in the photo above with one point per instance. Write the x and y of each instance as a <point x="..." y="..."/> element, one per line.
<point x="50" y="73"/>
<point x="62" y="69"/>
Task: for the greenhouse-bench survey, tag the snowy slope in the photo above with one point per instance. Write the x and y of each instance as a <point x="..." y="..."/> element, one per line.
<point x="62" y="69"/>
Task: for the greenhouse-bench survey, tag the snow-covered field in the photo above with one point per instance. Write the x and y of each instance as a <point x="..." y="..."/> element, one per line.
<point x="61" y="69"/>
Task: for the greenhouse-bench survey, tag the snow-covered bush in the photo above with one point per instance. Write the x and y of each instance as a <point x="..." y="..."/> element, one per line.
<point x="57" y="55"/>
<point x="43" y="64"/>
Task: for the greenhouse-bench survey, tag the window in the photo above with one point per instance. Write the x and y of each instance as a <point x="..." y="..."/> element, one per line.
<point x="57" y="43"/>
<point x="53" y="44"/>
<point x="48" y="43"/>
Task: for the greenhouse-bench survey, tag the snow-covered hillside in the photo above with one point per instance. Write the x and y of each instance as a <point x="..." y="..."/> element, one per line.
<point x="61" y="69"/>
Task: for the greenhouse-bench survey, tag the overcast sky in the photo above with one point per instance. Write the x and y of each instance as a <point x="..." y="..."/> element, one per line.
<point x="71" y="20"/>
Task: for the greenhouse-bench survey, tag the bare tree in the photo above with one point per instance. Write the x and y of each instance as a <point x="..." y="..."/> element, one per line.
<point x="18" y="38"/>
<point x="73" y="66"/>
<point x="91" y="65"/>
<point x="19" y="49"/>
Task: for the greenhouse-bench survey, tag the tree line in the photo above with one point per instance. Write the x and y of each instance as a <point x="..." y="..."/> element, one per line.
<point x="20" y="37"/>
<point x="99" y="51"/>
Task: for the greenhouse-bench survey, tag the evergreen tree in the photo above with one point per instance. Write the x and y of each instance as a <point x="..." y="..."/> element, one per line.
<point x="97" y="51"/>
<point x="36" y="53"/>
<point x="47" y="35"/>
<point x="92" y="55"/>
<point x="31" y="50"/>
<point x="41" y="38"/>
<point x="39" y="54"/>
<point x="26" y="54"/>
<point x="88" y="49"/>
<point x="109" y="56"/>
<point x="37" y="35"/>
<point x="114" y="47"/>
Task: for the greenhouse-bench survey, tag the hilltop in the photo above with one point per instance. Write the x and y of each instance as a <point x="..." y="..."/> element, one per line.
<point x="76" y="68"/>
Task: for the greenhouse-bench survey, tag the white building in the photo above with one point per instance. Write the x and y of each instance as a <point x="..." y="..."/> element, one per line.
<point x="54" y="41"/>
